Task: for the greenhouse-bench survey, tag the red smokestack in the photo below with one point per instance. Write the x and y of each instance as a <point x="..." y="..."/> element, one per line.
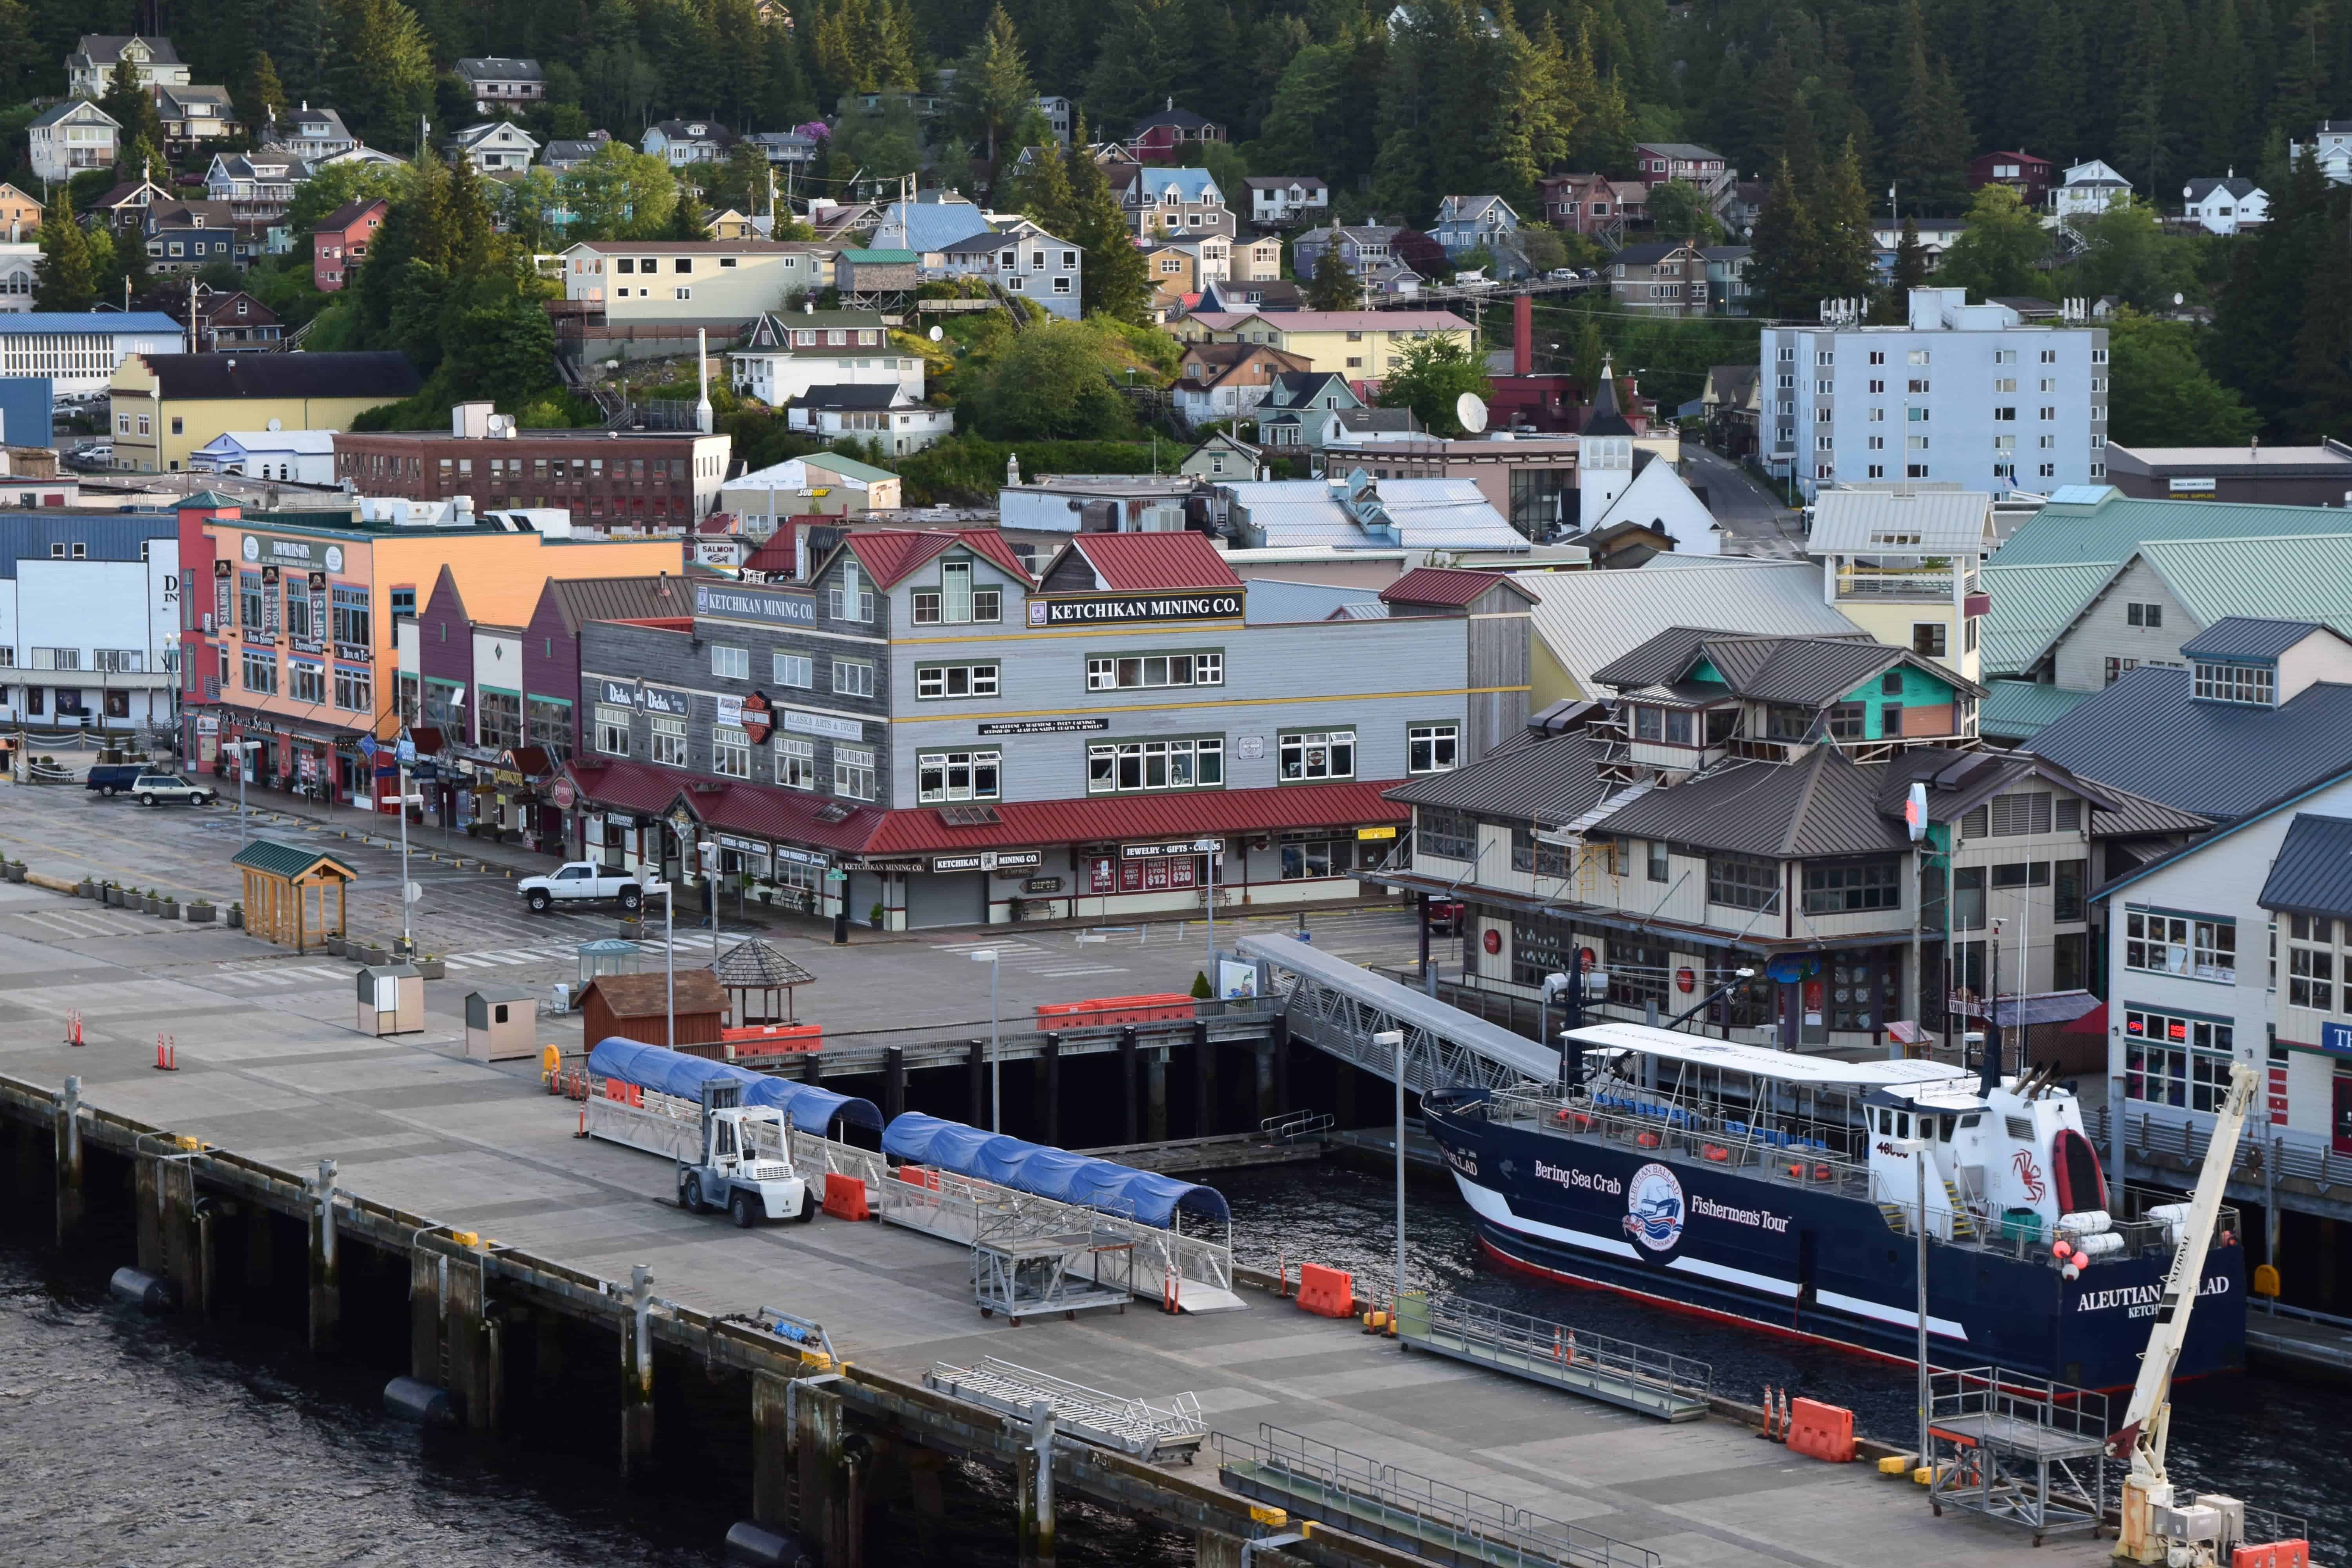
<point x="1523" y="334"/>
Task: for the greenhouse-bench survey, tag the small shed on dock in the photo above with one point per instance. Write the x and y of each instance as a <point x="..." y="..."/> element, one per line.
<point x="752" y="974"/>
<point x="288" y="889"/>
<point x="636" y="1007"/>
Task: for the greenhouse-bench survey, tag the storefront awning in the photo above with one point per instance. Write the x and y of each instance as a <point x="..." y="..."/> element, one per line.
<point x="792" y="816"/>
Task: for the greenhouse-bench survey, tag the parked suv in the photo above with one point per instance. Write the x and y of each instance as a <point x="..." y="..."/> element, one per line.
<point x="111" y="779"/>
<point x="163" y="789"/>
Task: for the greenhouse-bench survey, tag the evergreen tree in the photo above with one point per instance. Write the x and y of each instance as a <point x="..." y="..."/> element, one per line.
<point x="740" y="90"/>
<point x="262" y="98"/>
<point x="20" y="63"/>
<point x="1910" y="272"/>
<point x="2001" y="250"/>
<point x="380" y="70"/>
<point x="131" y="105"/>
<point x="992" y="87"/>
<point x="1335" y="286"/>
<point x="1847" y="264"/>
<point x="1785" y="267"/>
<point x="466" y="215"/>
<point x="140" y="161"/>
<point x="1527" y="119"/>
<point x="66" y="283"/>
<point x="1305" y="121"/>
<point x="788" y="101"/>
<point x="688" y="219"/>
<point x="1929" y="154"/>
<point x="1140" y="50"/>
<point x="1115" y="281"/>
<point x="2259" y="313"/>
<point x="1043" y="190"/>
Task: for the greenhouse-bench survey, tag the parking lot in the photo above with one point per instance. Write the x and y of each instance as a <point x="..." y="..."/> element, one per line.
<point x="473" y="917"/>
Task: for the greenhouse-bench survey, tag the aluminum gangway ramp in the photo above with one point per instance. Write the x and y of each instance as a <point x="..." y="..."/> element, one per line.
<point x="1338" y="1006"/>
<point x="1598" y="1366"/>
<point x="1153" y="1432"/>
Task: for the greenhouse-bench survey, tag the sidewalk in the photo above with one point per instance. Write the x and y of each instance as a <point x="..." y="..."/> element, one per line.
<point x="383" y="829"/>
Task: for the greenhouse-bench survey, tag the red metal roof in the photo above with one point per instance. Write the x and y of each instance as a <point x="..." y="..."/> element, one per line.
<point x="1444" y="586"/>
<point x="1148" y="563"/>
<point x="779" y="554"/>
<point x="890" y="555"/>
<point x="765" y="811"/>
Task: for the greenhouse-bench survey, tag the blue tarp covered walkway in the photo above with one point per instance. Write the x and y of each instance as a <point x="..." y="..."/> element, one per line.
<point x="664" y="1071"/>
<point x="1049" y="1172"/>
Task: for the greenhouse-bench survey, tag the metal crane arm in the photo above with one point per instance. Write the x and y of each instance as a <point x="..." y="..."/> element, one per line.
<point x="2141" y="1436"/>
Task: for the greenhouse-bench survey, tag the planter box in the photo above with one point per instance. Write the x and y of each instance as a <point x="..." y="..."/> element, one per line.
<point x="335" y="944"/>
<point x="433" y="968"/>
<point x="202" y="914"/>
<point x="15" y="871"/>
<point x="237" y="919"/>
<point x="85" y="889"/>
<point x="153" y="906"/>
<point x="114" y="898"/>
<point x="168" y="907"/>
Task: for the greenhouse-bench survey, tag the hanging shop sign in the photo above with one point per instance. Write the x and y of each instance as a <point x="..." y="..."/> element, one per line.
<point x="802" y="722"/>
<point x="1010" y="861"/>
<point x="618" y="693"/>
<point x="803" y="857"/>
<point x="660" y="701"/>
<point x="563" y="794"/>
<point x="1158" y="851"/>
<point x="756" y="718"/>
<point x="1041" y="885"/>
<point x="1097" y="609"/>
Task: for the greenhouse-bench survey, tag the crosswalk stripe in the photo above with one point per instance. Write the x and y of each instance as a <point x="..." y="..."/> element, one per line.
<point x="1087" y="969"/>
<point x="469" y="962"/>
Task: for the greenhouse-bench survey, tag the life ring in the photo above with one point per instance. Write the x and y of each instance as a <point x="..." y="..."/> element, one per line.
<point x="1718" y="1154"/>
<point x="1647" y="1140"/>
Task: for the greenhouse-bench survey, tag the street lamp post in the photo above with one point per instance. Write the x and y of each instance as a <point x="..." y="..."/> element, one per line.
<point x="1917" y="1148"/>
<point x="1394" y="1040"/>
<point x="649" y="888"/>
<point x="243" y="749"/>
<point x="988" y="956"/>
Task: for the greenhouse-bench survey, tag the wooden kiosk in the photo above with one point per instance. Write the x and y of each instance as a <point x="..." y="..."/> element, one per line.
<point x="288" y="889"/>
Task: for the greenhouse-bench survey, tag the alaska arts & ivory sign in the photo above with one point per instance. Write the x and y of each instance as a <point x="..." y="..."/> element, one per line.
<point x="1097" y="609"/>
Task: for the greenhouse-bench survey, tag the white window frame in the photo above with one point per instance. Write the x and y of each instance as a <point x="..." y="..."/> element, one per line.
<point x="1308" y="756"/>
<point x="1433" y="748"/>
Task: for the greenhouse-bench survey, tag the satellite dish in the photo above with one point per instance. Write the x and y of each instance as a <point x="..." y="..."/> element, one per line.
<point x="2176" y="299"/>
<point x="937" y="334"/>
<point x="1470" y="412"/>
<point x="277" y="424"/>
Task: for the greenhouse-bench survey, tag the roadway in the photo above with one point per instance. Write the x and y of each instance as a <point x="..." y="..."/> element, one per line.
<point x="1753" y="519"/>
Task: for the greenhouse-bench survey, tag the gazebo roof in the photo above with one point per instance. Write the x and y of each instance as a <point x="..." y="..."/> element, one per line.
<point x="755" y="965"/>
<point x="288" y="860"/>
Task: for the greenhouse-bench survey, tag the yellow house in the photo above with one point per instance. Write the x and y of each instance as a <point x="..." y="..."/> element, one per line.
<point x="20" y="215"/>
<point x="164" y="406"/>
<point x="1361" y="345"/>
<point x="1174" y="273"/>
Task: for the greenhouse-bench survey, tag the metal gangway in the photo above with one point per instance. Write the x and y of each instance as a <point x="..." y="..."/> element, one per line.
<point x="1431" y="1519"/>
<point x="1598" y="1366"/>
<point x="1027" y="1261"/>
<point x="2018" y="1449"/>
<point x="1338" y="1006"/>
<point x="1153" y="1432"/>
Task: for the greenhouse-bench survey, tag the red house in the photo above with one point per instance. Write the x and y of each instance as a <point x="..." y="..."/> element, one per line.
<point x="2028" y="176"/>
<point x="1581" y="204"/>
<point x="340" y="243"/>
<point x="1161" y="136"/>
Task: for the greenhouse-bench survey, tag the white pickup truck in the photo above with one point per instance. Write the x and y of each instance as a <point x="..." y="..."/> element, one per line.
<point x="581" y="882"/>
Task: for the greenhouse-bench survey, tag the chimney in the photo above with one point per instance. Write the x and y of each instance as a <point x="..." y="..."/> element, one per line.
<point x="702" y="377"/>
<point x="1523" y="334"/>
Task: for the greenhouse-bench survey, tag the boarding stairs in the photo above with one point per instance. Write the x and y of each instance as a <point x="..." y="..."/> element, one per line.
<point x="1338" y="1007"/>
<point x="1153" y="1432"/>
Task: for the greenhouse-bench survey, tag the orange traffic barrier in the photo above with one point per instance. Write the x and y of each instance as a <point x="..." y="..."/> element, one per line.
<point x="167" y="1053"/>
<point x="773" y="1040"/>
<point x="1326" y="1292"/>
<point x="2273" y="1554"/>
<point x="920" y="1176"/>
<point x="1820" y="1431"/>
<point x="845" y="1196"/>
<point x="1097" y="1011"/>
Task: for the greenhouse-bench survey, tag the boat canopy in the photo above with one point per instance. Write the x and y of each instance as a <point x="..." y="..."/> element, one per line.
<point x="666" y="1071"/>
<point x="1049" y="1172"/>
<point x="1763" y="1062"/>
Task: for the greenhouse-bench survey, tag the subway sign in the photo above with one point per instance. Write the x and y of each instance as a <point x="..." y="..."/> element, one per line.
<point x="1101" y="609"/>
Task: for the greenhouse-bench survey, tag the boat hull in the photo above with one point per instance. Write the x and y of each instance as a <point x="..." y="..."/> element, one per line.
<point x="1814" y="1264"/>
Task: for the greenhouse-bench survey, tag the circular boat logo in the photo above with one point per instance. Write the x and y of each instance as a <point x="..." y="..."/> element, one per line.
<point x="1654" y="1207"/>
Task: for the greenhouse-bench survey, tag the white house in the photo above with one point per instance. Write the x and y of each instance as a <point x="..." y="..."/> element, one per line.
<point x="20" y="274"/>
<point x="689" y="281"/>
<point x="315" y="134"/>
<point x="90" y="640"/>
<point x="1026" y="261"/>
<point x="2333" y="149"/>
<point x="300" y="457"/>
<point x="1279" y="199"/>
<point x="496" y="148"/>
<point x="2088" y="190"/>
<point x="258" y="186"/>
<point x="193" y="114"/>
<point x="787" y="355"/>
<point x="891" y="417"/>
<point x="682" y="142"/>
<point x="72" y="136"/>
<point x="95" y="56"/>
<point x="2226" y="205"/>
<point x="2194" y="986"/>
<point x="80" y="349"/>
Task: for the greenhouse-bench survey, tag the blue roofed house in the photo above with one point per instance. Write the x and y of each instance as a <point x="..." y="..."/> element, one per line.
<point x="930" y="225"/>
<point x="1475" y="223"/>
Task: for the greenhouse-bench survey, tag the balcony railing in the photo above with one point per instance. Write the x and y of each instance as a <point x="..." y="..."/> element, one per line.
<point x="1898" y="583"/>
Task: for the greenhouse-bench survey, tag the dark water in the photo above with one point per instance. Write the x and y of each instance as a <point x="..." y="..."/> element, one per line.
<point x="134" y="1441"/>
<point x="2272" y="1440"/>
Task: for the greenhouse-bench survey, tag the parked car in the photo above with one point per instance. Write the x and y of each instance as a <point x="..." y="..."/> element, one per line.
<point x="166" y="789"/>
<point x="1562" y="275"/>
<point x="1446" y="916"/>
<point x="110" y="779"/>
<point x="94" y="454"/>
<point x="580" y="882"/>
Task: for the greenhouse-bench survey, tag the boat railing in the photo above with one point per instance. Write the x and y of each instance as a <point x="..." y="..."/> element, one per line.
<point x="1793" y="1153"/>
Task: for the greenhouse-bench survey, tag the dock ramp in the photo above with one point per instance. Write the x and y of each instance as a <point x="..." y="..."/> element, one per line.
<point x="1153" y="1432"/>
<point x="1338" y="1006"/>
<point x="1598" y="1366"/>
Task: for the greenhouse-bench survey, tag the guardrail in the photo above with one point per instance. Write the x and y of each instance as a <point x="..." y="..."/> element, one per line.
<point x="1600" y="1367"/>
<point x="1429" y="1518"/>
<point x="2289" y="1154"/>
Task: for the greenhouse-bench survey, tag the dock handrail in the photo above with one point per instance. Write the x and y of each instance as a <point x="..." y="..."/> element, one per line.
<point x="1297" y="1124"/>
<point x="1502" y="1330"/>
<point x="2017" y="1396"/>
<point x="1392" y="1502"/>
<point x="1174" y="1428"/>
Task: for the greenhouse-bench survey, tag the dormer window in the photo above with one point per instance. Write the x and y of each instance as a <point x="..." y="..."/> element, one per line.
<point x="2255" y="685"/>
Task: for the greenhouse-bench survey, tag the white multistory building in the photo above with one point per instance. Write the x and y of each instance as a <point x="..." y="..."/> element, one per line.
<point x="1963" y="394"/>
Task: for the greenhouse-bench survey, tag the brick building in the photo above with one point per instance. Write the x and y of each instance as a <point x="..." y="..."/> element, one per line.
<point x="654" y="479"/>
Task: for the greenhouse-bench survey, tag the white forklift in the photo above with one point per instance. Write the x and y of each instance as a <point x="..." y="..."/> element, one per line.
<point x="729" y="1169"/>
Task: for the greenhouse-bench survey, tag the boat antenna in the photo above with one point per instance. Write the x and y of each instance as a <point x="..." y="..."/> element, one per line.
<point x="1990" y="1077"/>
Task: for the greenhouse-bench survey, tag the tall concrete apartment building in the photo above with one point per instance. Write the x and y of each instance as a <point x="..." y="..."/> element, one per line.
<point x="1964" y="393"/>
